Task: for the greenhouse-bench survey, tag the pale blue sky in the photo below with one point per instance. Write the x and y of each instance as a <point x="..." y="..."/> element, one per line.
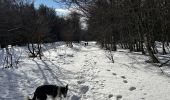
<point x="49" y="3"/>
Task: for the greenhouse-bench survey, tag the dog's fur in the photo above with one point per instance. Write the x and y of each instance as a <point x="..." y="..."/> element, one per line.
<point x="52" y="90"/>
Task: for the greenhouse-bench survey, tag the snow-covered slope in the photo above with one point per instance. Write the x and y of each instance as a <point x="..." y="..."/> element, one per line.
<point x="89" y="73"/>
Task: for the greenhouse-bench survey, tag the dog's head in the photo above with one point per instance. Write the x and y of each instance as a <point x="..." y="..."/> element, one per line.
<point x="64" y="90"/>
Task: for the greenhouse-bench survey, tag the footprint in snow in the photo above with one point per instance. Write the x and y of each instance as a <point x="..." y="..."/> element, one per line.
<point x="70" y="55"/>
<point x="145" y="93"/>
<point x="118" y="97"/>
<point x="125" y="81"/>
<point x="80" y="82"/>
<point x="132" y="88"/>
<point x="114" y="74"/>
<point x="79" y="77"/>
<point x="110" y="95"/>
<point x="123" y="77"/>
<point x="74" y="97"/>
<point x="84" y="89"/>
<point x="109" y="70"/>
<point x="102" y="85"/>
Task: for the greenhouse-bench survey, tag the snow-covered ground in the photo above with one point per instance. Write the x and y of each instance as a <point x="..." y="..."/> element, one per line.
<point x="89" y="73"/>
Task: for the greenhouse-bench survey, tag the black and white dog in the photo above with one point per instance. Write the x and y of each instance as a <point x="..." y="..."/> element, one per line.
<point x="51" y="90"/>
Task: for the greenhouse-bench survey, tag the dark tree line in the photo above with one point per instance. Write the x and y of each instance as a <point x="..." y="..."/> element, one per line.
<point x="23" y="24"/>
<point x="131" y="24"/>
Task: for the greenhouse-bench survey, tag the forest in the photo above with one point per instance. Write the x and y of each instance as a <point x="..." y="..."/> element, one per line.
<point x="99" y="50"/>
<point x="131" y="24"/>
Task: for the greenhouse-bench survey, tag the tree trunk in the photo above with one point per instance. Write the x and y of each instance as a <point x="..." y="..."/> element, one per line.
<point x="142" y="48"/>
<point x="148" y="47"/>
<point x="39" y="52"/>
<point x="31" y="50"/>
<point x="163" y="48"/>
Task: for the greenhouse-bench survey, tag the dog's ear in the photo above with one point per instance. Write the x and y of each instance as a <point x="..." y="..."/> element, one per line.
<point x="67" y="86"/>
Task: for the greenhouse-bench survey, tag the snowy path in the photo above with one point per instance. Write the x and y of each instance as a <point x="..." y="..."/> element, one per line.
<point x="90" y="75"/>
<point x="129" y="78"/>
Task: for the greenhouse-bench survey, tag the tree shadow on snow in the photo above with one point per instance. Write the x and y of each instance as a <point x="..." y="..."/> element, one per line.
<point x="59" y="74"/>
<point x="42" y="72"/>
<point x="10" y="85"/>
<point x="56" y="73"/>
